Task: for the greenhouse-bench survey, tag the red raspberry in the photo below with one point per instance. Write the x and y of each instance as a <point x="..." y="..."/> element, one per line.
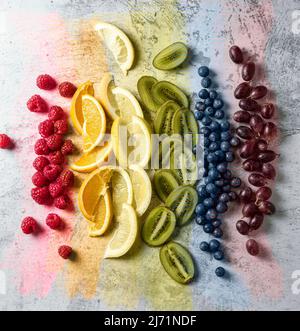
<point x="29" y="225"/>
<point x="55" y="142"/>
<point x="39" y="180"/>
<point x="56" y="113"/>
<point x="41" y="147"/>
<point x="62" y="202"/>
<point x="52" y="171"/>
<point x="37" y="104"/>
<point x="66" y="89"/>
<point x="40" y="195"/>
<point x="56" y="158"/>
<point x="67" y="179"/>
<point x="53" y="221"/>
<point x="65" y="251"/>
<point x="40" y="163"/>
<point x="61" y="127"/>
<point x="67" y="147"/>
<point x="55" y="189"/>
<point x="45" y="82"/>
<point x="5" y="141"/>
<point x="46" y="128"/>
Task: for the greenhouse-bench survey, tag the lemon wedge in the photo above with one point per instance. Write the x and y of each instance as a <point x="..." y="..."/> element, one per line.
<point x="118" y="43"/>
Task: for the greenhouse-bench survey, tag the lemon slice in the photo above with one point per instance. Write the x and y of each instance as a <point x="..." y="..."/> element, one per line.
<point x="103" y="93"/>
<point x="118" y="43"/>
<point x="94" y="123"/>
<point x="76" y="106"/>
<point x="131" y="141"/>
<point x="93" y="187"/>
<point x="102" y="217"/>
<point x="90" y="161"/>
<point x="125" y="233"/>
<point x="142" y="189"/>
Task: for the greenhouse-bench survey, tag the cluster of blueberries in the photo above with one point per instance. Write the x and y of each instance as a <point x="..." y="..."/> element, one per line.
<point x="216" y="189"/>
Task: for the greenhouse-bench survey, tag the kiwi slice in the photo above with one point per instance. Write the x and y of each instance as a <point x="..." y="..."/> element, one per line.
<point x="178" y="262"/>
<point x="171" y="57"/>
<point x="164" y="91"/>
<point x="159" y="226"/>
<point x="164" y="183"/>
<point x="164" y="118"/>
<point x="144" y="87"/>
<point x="184" y="122"/>
<point x="183" y="201"/>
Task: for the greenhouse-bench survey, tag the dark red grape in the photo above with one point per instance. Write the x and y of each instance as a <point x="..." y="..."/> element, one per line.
<point x="242" y="91"/>
<point x="249" y="105"/>
<point x="257" y="180"/>
<point x="247" y="195"/>
<point x="267" y="111"/>
<point x="266" y="207"/>
<point x="248" y="71"/>
<point x="245" y="132"/>
<point x="270" y="130"/>
<point x="264" y="193"/>
<point x="236" y="55"/>
<point x="242" y="227"/>
<point x="269" y="171"/>
<point x="266" y="156"/>
<point x="256" y="221"/>
<point x="259" y="92"/>
<point x="250" y="209"/>
<point x="252" y="247"/>
<point x="257" y="124"/>
<point x="252" y="165"/>
<point x="248" y="149"/>
<point x="242" y="116"/>
<point x="262" y="145"/>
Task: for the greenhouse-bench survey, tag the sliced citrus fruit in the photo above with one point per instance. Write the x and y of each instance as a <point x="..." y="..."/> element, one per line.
<point x="76" y="106"/>
<point x="102" y="217"/>
<point x="94" y="125"/>
<point x="93" y="187"/>
<point x="118" y="43"/>
<point x="142" y="189"/>
<point x="131" y="141"/>
<point x="90" y="161"/>
<point x="125" y="233"/>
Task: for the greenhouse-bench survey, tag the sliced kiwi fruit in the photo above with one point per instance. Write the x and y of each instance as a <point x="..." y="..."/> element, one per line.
<point x="178" y="262"/>
<point x="171" y="57"/>
<point x="183" y="201"/>
<point x="164" y="91"/>
<point x="164" y="183"/>
<point x="159" y="226"/>
<point x="184" y="122"/>
<point x="164" y="118"/>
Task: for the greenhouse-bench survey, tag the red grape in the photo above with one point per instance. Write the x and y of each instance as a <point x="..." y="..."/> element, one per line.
<point x="266" y="207"/>
<point x="248" y="71"/>
<point x="241" y="116"/>
<point x="242" y="227"/>
<point x="266" y="156"/>
<point x="259" y="92"/>
<point x="256" y="221"/>
<point x="242" y="91"/>
<point x="264" y="193"/>
<point x="270" y="130"/>
<point x="245" y="133"/>
<point x="252" y="247"/>
<point x="269" y="171"/>
<point x="262" y="145"/>
<point x="267" y="111"/>
<point x="248" y="149"/>
<point x="257" y="180"/>
<point x="252" y="165"/>
<point x="236" y="54"/>
<point x="249" y="105"/>
<point x="247" y="195"/>
<point x="250" y="209"/>
<point x="257" y="124"/>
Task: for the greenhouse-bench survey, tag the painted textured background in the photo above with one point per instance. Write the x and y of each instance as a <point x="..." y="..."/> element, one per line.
<point x="56" y="37"/>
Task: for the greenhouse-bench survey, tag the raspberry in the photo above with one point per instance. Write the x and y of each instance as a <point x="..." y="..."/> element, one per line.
<point x="41" y="147"/>
<point x="37" y="104"/>
<point x="40" y="195"/>
<point x="56" y="158"/>
<point x="55" y="189"/>
<point x="62" y="202"/>
<point x="67" y="89"/>
<point x="65" y="251"/>
<point x="40" y="163"/>
<point x="67" y="147"/>
<point x="55" y="142"/>
<point x="67" y="178"/>
<point x="52" y="171"/>
<point x="56" y="113"/>
<point x="46" y="128"/>
<point x="61" y="127"/>
<point x="5" y="141"/>
<point x="53" y="221"/>
<point x="39" y="180"/>
<point x="45" y="82"/>
<point x="29" y="225"/>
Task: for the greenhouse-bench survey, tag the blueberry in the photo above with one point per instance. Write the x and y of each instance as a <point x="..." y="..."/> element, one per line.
<point x="201" y="189"/>
<point x="236" y="182"/>
<point x="220" y="155"/>
<point x="212" y="158"/>
<point x="227" y="174"/>
<point x="203" y="94"/>
<point x="200" y="210"/>
<point x="208" y="228"/>
<point x="224" y="125"/>
<point x="214" y="126"/>
<point x="206" y="120"/>
<point x="206" y="82"/>
<point x="233" y="196"/>
<point x="209" y="111"/>
<point x="206" y="152"/>
<point x="219" y="114"/>
<point x="214" y="173"/>
<point x="225" y="135"/>
<point x="214" y="146"/>
<point x="205" y="131"/>
<point x="220" y="272"/>
<point x="208" y="180"/>
<point x="201" y="220"/>
<point x="225" y="146"/>
<point x="211" y="188"/>
<point x="204" y="246"/>
<point x="222" y="167"/>
<point x="206" y="142"/>
<point x="200" y="106"/>
<point x="214" y="245"/>
<point x="216" y="223"/>
<point x="235" y="142"/>
<point x="230" y="157"/>
<point x="218" y="233"/>
<point x="211" y="214"/>
<point x="214" y="136"/>
<point x="222" y="208"/>
<point x="210" y="166"/>
<point x="208" y="202"/>
<point x="218" y="103"/>
<point x="219" y="182"/>
<point x="205" y="173"/>
<point x="213" y="94"/>
<point x="199" y="115"/>
<point x="219" y="255"/>
<point x="226" y="188"/>
<point x="214" y="196"/>
<point x="208" y="102"/>
<point x="224" y="197"/>
<point x="203" y="71"/>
